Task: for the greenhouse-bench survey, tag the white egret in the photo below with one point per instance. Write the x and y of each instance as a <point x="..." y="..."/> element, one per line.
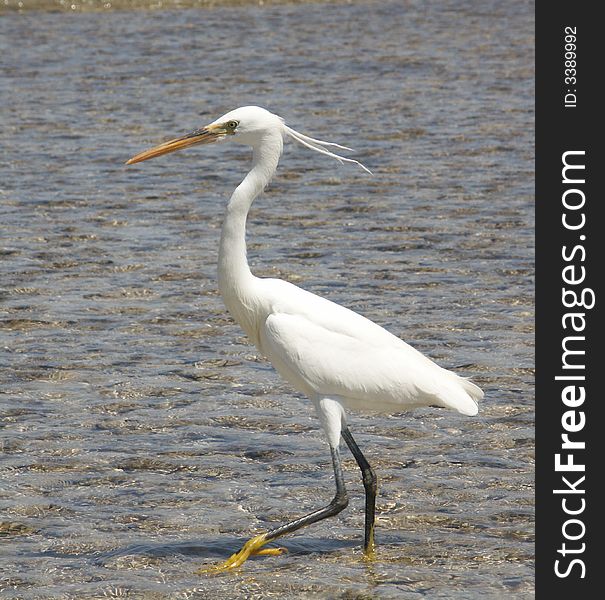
<point x="336" y="357"/>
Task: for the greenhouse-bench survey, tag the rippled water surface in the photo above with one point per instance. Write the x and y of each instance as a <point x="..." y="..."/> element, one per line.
<point x="142" y="436"/>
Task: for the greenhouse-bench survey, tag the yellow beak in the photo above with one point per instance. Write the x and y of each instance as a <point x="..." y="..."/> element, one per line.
<point x="205" y="135"/>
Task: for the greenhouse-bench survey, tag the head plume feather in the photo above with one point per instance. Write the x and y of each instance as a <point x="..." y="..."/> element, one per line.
<point x="321" y="147"/>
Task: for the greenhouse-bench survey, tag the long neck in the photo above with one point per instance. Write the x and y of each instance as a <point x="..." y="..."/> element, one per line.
<point x="234" y="276"/>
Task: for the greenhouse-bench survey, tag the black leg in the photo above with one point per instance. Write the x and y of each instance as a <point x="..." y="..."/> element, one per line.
<point x="370" y="485"/>
<point x="254" y="545"/>
<point x="338" y="504"/>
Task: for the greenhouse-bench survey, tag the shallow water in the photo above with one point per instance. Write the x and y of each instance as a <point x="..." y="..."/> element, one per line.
<point x="142" y="436"/>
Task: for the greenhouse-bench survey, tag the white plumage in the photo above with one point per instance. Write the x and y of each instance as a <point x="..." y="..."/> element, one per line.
<point x="336" y="357"/>
<point x="327" y="351"/>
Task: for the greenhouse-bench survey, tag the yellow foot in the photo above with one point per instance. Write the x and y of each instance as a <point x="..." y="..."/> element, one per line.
<point x="271" y="551"/>
<point x="369" y="553"/>
<point x="250" y="548"/>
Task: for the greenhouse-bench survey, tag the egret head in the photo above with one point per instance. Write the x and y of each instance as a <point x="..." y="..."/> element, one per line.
<point x="248" y="125"/>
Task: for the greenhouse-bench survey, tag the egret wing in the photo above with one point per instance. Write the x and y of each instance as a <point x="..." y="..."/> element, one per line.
<point x="324" y="362"/>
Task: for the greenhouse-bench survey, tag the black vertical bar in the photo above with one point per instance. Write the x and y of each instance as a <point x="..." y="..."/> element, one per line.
<point x="570" y="259"/>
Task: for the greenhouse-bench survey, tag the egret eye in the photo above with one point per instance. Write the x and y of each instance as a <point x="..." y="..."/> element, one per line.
<point x="232" y="125"/>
